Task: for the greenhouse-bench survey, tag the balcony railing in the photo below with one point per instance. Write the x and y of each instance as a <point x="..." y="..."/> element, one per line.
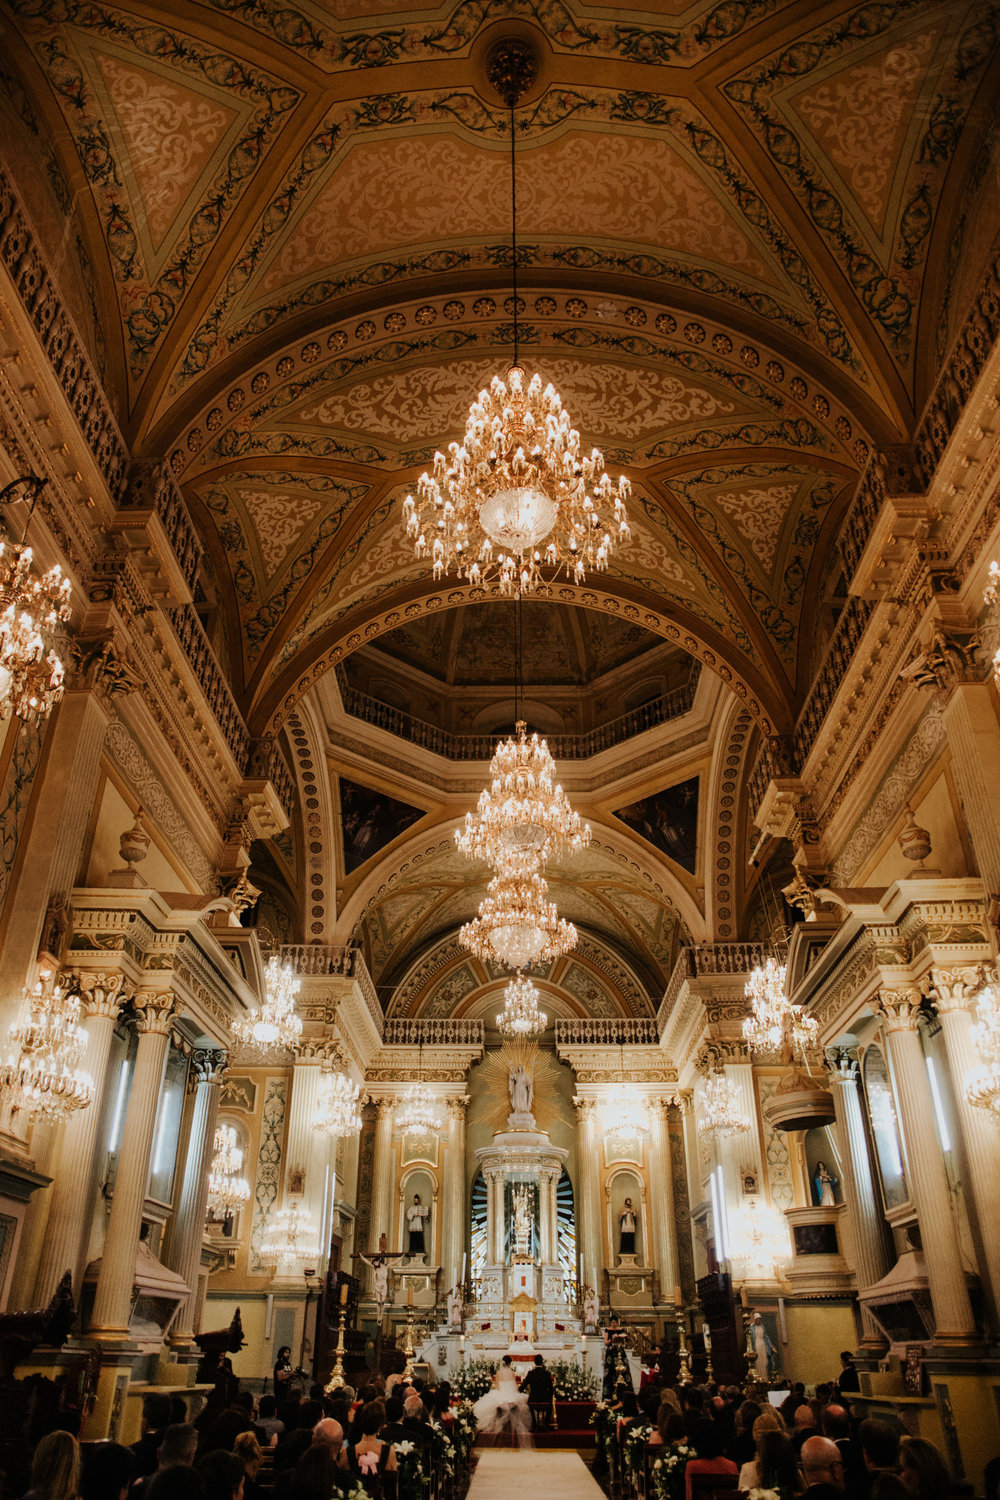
<point x="446" y="1032"/>
<point x="707" y="959"/>
<point x="319" y="960"/>
<point x="481" y="746"/>
<point x="607" y="1031"/>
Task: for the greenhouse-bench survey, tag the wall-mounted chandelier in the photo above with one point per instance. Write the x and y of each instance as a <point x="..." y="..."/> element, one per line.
<point x="773" y="1021"/>
<point x="31" y="673"/>
<point x="982" y="1086"/>
<point x="758" y="1238"/>
<point x="289" y="1237"/>
<point x="228" y="1190"/>
<point x="275" y="1026"/>
<point x="518" y="492"/>
<point x="722" y="1114"/>
<point x="418" y="1112"/>
<point x="524" y="817"/>
<point x="516" y="925"/>
<point x="42" y="1073"/>
<point x="338" y="1113"/>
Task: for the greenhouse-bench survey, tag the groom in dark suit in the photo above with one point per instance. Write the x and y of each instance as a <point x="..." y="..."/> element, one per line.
<point x="538" y="1383"/>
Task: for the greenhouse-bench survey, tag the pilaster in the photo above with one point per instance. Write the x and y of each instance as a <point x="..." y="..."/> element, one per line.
<point x="207" y="1067"/>
<point x="868" y="1229"/>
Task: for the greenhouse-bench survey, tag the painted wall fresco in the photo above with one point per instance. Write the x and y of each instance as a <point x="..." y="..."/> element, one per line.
<point x="669" y="820"/>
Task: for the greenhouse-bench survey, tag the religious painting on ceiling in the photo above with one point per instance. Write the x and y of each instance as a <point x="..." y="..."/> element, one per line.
<point x="370" y="820"/>
<point x="669" y="820"/>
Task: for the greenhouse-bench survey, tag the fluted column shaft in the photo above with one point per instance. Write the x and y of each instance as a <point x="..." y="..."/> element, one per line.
<point x="928" y="1182"/>
<point x="554" y="1216"/>
<point x="971" y="723"/>
<point x="871" y="1260"/>
<point x="381" y="1174"/>
<point x="588" y="1205"/>
<point x="308" y="1150"/>
<point x="67" y="1232"/>
<point x="545" y="1217"/>
<point x="661" y="1203"/>
<point x="189" y="1223"/>
<point x="496" y="1198"/>
<point x="349" y="1156"/>
<point x="955" y="990"/>
<point x="112" y="1302"/>
<point x="453" y="1240"/>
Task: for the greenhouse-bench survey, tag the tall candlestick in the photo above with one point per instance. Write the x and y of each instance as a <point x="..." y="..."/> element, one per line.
<point x="463" y="1268"/>
<point x="678" y="1299"/>
<point x="343" y="1293"/>
<point x="409" y="1296"/>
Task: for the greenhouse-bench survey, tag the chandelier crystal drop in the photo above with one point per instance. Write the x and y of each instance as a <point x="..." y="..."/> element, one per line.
<point x="516" y="925"/>
<point x="723" y="1116"/>
<point x="982" y="1086"/>
<point x="517" y="493"/>
<point x="31" y="676"/>
<point x="524" y="817"/>
<point x="275" y="1026"/>
<point x="289" y="1237"/>
<point x="417" y="1113"/>
<point x="42" y="1073"/>
<point x="227" y="1189"/>
<point x="338" y="1113"/>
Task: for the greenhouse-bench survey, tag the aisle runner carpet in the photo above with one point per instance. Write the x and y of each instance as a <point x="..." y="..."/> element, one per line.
<point x="503" y="1474"/>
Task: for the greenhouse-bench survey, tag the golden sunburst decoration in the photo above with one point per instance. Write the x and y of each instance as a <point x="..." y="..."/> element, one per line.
<point x="492" y="1107"/>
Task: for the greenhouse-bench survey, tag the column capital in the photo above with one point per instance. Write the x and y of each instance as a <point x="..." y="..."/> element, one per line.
<point x="156" y="1011"/>
<point x="102" y="994"/>
<point x="953" y="989"/>
<point x="684" y="1099"/>
<point x="585" y="1108"/>
<point x="208" y="1065"/>
<point x="457" y="1107"/>
<point x="842" y="1065"/>
<point x="899" y="1009"/>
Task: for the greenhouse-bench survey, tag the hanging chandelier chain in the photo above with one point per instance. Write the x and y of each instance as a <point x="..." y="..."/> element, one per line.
<point x="513" y="222"/>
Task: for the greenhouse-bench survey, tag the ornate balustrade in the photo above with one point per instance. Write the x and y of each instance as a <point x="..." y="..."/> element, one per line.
<point x="190" y="633"/>
<point x="318" y="960"/>
<point x="706" y="960"/>
<point x="445" y="1032"/>
<point x="605" y="1030"/>
<point x="481" y="746"/>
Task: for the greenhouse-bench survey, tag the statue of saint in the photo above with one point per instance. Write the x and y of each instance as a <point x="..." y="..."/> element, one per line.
<point x="591" y="1309"/>
<point x="626" y="1227"/>
<point x="522" y="1221"/>
<point x="380" y="1283"/>
<point x="416" y="1217"/>
<point x="521" y="1090"/>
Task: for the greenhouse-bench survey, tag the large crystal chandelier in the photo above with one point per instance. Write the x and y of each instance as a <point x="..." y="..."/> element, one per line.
<point x="31" y="674"/>
<point x="228" y="1190"/>
<point x="521" y="1023"/>
<point x="624" y="1113"/>
<point x="758" y="1238"/>
<point x="524" y="817"/>
<point x="338" y="1113"/>
<point x="773" y="1020"/>
<point x="518" y="492"/>
<point x="982" y="1086"/>
<point x="275" y="1025"/>
<point x="418" y="1112"/>
<point x="516" y="925"/>
<point x="722" y="1113"/>
<point x="289" y="1237"/>
<point x="42" y="1073"/>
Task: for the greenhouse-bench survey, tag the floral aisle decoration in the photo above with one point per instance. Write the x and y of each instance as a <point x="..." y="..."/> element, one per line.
<point x="464" y="1429"/>
<point x="762" y="1494"/>
<point x="602" y="1419"/>
<point x="442" y="1452"/>
<point x="634" y="1452"/>
<point x="410" y="1483"/>
<point x="667" y="1472"/>
<point x="473" y="1379"/>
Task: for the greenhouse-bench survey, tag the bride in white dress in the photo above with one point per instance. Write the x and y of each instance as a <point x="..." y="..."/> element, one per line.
<point x="504" y="1406"/>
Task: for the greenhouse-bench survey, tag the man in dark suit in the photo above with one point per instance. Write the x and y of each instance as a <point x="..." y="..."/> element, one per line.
<point x="822" y="1469"/>
<point x="538" y="1383"/>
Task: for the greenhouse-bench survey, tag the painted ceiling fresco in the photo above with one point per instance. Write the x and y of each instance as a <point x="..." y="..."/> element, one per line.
<point x="748" y="235"/>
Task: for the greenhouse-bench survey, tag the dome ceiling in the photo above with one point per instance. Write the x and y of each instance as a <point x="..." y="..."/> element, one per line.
<point x="284" y="233"/>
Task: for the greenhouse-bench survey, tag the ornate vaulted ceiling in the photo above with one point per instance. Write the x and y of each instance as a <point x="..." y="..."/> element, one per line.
<point x="748" y="235"/>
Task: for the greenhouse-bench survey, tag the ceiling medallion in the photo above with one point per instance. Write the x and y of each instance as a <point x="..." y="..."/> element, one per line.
<point x="518" y="492"/>
<point x="516" y="925"/>
<point x="42" y="1073"/>
<point x="338" y="1113"/>
<point x="275" y="1026"/>
<point x="227" y="1189"/>
<point x="524" y="817"/>
<point x="722" y="1113"/>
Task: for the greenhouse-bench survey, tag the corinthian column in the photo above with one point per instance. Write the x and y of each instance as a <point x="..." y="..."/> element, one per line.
<point x="382" y="1173"/>
<point x="954" y="992"/>
<point x="953" y="1317"/>
<point x="588" y="1206"/>
<point x="453" y="1239"/>
<point x="661" y="1201"/>
<point x="67" y="1232"/>
<point x="112" y="1302"/>
<point x="189" y="1222"/>
<point x="871" y="1260"/>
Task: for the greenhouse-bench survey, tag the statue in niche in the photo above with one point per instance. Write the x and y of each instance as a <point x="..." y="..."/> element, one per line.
<point x="824" y="1186"/>
<point x="521" y="1090"/>
<point x="522" y="1221"/>
<point x="626" y="1228"/>
<point x="416" y="1217"/>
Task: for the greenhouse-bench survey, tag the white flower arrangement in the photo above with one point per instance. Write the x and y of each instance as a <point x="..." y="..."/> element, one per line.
<point x="762" y="1494"/>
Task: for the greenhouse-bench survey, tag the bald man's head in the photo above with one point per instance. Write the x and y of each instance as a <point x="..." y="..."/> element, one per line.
<point x="821" y="1462"/>
<point x="804" y="1417"/>
<point x="328" y="1434"/>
